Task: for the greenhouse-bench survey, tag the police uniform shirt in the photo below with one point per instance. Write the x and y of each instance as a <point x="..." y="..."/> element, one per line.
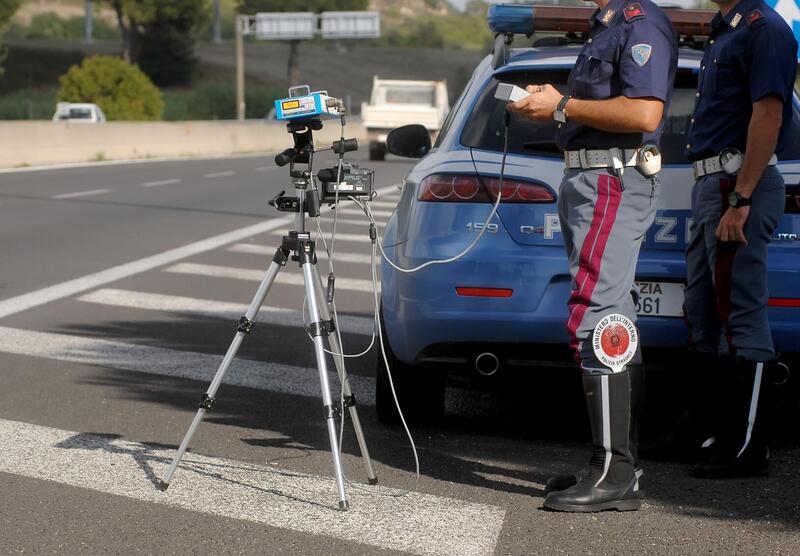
<point x="631" y="51"/>
<point x="751" y="53"/>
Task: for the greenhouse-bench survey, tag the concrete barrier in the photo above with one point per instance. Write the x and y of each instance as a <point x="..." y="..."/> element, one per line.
<point x="32" y="143"/>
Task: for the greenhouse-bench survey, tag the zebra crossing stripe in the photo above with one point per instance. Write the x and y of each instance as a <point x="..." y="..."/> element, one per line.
<point x="221" y="309"/>
<point x="275" y="377"/>
<point x="375" y="213"/>
<point x="256" y="249"/>
<point x="417" y="523"/>
<point x="255" y="274"/>
<point x="363" y="238"/>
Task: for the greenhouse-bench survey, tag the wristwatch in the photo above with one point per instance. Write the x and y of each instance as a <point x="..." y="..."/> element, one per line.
<point x="560" y="113"/>
<point x="735" y="200"/>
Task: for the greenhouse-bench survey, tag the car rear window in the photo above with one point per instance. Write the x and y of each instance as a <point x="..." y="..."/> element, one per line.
<point x="484" y="128"/>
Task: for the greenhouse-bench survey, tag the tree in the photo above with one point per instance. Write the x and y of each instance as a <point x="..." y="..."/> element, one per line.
<point x="159" y="35"/>
<point x="293" y="63"/>
<point x="122" y="90"/>
<point x="7" y="9"/>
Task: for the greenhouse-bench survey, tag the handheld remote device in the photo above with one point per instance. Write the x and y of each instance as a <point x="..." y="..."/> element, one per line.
<point x="510" y="93"/>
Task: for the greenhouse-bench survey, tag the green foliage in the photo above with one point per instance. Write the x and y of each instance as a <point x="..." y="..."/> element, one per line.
<point x="7" y="9"/>
<point x="122" y="90"/>
<point x="28" y="104"/>
<point x="217" y="101"/>
<point x="441" y="31"/>
<point x="254" y="6"/>
<point x="49" y="25"/>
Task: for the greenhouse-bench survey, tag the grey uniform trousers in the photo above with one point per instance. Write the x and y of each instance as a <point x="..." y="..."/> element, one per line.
<point x="726" y="289"/>
<point x="603" y="226"/>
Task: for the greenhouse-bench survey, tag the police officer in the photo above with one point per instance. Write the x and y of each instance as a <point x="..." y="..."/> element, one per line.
<point x="741" y="120"/>
<point x="610" y="124"/>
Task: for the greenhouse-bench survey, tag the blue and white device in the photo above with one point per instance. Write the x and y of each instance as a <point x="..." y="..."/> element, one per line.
<point x="307" y="105"/>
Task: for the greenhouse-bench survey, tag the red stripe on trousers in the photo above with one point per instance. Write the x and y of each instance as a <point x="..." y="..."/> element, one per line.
<point x="609" y="196"/>
<point x="723" y="269"/>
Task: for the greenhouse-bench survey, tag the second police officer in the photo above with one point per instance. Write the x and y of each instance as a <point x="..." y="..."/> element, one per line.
<point x="610" y="123"/>
<point x="741" y="121"/>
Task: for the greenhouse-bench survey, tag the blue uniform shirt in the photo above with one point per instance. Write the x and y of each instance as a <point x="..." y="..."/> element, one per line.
<point x="631" y="51"/>
<point x="751" y="53"/>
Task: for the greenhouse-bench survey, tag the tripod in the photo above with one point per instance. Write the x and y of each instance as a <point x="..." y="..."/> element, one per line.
<point x="298" y="246"/>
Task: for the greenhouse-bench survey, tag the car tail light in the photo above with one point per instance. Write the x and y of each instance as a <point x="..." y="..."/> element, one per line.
<point x="462" y="188"/>
<point x="792" y="199"/>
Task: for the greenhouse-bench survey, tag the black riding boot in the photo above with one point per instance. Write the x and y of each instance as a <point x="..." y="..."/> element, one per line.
<point x="698" y="401"/>
<point x="636" y="374"/>
<point x="610" y="483"/>
<point x="741" y="448"/>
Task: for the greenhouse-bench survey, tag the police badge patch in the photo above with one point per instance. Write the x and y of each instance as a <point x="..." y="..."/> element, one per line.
<point x="641" y="53"/>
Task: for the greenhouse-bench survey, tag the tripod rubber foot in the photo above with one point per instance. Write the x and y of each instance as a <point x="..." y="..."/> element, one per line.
<point x="343" y="506"/>
<point x="373" y="481"/>
<point x="162" y="486"/>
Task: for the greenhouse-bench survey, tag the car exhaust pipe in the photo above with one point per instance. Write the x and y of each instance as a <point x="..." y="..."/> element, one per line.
<point x="487" y="364"/>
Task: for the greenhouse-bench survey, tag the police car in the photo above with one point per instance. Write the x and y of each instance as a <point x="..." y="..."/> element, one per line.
<point x="503" y="305"/>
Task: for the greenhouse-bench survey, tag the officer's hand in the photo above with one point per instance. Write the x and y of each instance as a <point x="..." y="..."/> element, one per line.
<point x="731" y="225"/>
<point x="539" y="105"/>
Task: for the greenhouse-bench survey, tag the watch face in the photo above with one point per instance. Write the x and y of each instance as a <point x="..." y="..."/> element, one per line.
<point x="560" y="116"/>
<point x="733" y="199"/>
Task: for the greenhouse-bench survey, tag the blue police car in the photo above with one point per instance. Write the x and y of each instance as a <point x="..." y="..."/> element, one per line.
<point x="503" y="305"/>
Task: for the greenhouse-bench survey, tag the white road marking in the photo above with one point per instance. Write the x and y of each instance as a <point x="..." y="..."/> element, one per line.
<point x="417" y="523"/>
<point x="48" y="294"/>
<point x="339" y="237"/>
<point x="257" y="274"/>
<point x="32" y="299"/>
<point x="223" y="174"/>
<point x="81" y="194"/>
<point x="264" y="168"/>
<point x="274" y="377"/>
<point x="327" y="223"/>
<point x="161" y="182"/>
<point x="375" y="213"/>
<point x="383" y="204"/>
<point x="255" y="249"/>
<point x="220" y="309"/>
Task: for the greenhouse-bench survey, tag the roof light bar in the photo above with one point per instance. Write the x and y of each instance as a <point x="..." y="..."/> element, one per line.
<point x="524" y="19"/>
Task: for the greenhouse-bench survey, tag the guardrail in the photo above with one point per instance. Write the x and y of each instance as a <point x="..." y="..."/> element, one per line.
<point x="33" y="143"/>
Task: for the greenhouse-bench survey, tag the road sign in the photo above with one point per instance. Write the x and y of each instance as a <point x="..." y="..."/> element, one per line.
<point x="350" y="25"/>
<point x="285" y="25"/>
<point x="790" y="11"/>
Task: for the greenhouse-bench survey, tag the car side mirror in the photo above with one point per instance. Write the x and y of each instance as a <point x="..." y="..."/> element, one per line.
<point x="410" y="141"/>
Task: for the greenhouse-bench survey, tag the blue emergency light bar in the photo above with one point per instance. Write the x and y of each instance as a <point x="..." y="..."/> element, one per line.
<point x="511" y="19"/>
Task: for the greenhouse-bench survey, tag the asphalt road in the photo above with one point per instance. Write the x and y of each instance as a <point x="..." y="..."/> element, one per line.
<point x="119" y="287"/>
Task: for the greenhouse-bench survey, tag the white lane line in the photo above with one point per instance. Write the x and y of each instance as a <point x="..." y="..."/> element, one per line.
<point x="339" y="237"/>
<point x="264" y="168"/>
<point x="81" y="194"/>
<point x="219" y="309"/>
<point x="383" y="204"/>
<point x="32" y="299"/>
<point x="55" y="292"/>
<point x="417" y="523"/>
<point x="255" y="249"/>
<point x="375" y="213"/>
<point x="257" y="274"/>
<point x="275" y="377"/>
<point x="327" y="223"/>
<point x="223" y="174"/>
<point x="161" y="182"/>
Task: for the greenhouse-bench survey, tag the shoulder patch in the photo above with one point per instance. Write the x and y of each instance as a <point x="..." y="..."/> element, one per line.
<point x="633" y="11"/>
<point x="753" y="17"/>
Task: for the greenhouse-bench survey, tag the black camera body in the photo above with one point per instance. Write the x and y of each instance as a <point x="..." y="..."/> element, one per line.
<point x="355" y="182"/>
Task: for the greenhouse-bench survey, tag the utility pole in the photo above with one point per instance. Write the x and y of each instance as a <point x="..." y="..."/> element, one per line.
<point x="217" y="22"/>
<point x="240" y="107"/>
<point x="88" y="21"/>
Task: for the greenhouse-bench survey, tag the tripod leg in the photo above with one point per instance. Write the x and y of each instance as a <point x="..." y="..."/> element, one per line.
<point x="318" y="328"/>
<point x="244" y="328"/>
<point x="349" y="398"/>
